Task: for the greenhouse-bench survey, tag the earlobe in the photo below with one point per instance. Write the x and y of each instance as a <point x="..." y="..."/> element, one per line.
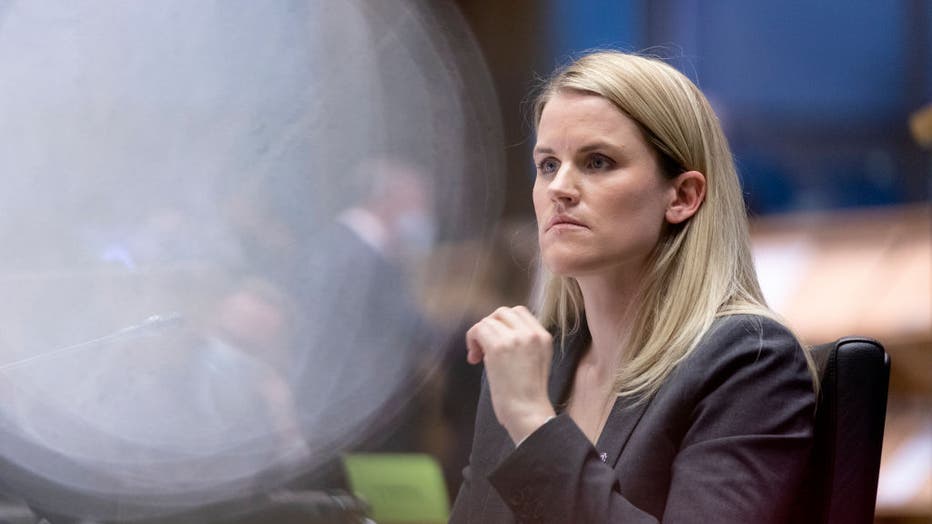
<point x="689" y="193"/>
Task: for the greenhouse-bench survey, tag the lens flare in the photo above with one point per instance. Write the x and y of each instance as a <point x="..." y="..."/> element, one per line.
<point x="216" y="219"/>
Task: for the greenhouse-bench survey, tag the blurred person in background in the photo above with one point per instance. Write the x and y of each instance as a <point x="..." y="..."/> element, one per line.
<point x="653" y="383"/>
<point x="252" y="326"/>
<point x="360" y="347"/>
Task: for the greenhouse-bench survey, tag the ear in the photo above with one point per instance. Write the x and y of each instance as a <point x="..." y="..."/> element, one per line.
<point x="688" y="194"/>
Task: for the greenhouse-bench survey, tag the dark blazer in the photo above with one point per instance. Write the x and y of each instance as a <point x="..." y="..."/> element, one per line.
<point x="725" y="439"/>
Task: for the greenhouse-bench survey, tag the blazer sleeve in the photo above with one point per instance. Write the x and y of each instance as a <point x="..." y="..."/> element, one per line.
<point x="458" y="513"/>
<point x="556" y="476"/>
<point x="748" y="397"/>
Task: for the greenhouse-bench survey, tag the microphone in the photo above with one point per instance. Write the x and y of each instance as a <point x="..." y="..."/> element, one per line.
<point x="152" y="325"/>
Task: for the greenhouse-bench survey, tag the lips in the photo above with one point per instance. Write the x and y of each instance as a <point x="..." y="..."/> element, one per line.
<point x="563" y="219"/>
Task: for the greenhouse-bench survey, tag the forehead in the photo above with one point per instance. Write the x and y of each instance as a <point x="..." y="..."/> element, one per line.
<point x="569" y="117"/>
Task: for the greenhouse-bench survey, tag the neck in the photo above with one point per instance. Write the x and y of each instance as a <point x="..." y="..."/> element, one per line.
<point x="610" y="309"/>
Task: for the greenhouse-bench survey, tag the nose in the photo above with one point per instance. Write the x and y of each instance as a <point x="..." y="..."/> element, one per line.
<point x="563" y="188"/>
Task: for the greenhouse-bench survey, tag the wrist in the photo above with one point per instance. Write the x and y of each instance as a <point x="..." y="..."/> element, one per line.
<point x="522" y="428"/>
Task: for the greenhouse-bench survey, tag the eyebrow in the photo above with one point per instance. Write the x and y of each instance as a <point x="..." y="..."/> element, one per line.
<point x="584" y="149"/>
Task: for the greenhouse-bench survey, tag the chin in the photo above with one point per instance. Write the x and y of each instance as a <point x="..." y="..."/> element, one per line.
<point x="564" y="266"/>
<point x="577" y="263"/>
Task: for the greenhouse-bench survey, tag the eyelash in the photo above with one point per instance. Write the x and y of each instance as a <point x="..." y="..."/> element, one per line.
<point x="602" y="158"/>
<point x="589" y="161"/>
<point x="542" y="163"/>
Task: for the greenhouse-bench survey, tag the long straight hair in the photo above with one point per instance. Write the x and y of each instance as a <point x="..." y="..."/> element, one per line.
<point x="700" y="269"/>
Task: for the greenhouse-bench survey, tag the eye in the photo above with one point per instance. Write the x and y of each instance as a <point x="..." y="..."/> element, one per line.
<point x="548" y="166"/>
<point x="599" y="162"/>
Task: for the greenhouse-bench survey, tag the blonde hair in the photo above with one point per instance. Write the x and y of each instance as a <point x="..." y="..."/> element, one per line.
<point x="701" y="269"/>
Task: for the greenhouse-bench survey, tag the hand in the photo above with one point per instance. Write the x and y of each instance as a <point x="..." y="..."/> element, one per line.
<point x="517" y="352"/>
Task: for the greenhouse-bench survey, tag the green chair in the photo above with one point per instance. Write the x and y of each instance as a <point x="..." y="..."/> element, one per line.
<point x="400" y="488"/>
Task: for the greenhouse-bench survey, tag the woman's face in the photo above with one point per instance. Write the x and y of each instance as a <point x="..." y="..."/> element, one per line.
<point x="599" y="195"/>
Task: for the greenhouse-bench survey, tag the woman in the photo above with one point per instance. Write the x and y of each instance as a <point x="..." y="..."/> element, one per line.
<point x="673" y="394"/>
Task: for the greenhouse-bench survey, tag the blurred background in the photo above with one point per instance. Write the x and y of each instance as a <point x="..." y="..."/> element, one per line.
<point x="242" y="241"/>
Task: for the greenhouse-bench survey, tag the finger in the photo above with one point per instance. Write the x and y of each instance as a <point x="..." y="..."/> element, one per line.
<point x="527" y="318"/>
<point x="492" y="329"/>
<point x="474" y="352"/>
<point x="479" y="336"/>
<point x="532" y="324"/>
<point x="474" y="356"/>
<point x="509" y="317"/>
<point x="488" y="334"/>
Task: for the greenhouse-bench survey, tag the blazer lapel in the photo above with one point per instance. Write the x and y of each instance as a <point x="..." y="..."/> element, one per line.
<point x="624" y="417"/>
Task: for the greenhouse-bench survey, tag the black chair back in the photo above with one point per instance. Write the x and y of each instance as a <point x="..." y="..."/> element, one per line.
<point x="845" y="464"/>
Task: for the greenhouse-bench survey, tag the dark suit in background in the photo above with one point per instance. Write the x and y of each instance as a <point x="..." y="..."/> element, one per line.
<point x="726" y="439"/>
<point x="359" y="350"/>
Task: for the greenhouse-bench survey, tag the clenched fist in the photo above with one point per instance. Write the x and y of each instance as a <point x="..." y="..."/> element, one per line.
<point x="517" y="352"/>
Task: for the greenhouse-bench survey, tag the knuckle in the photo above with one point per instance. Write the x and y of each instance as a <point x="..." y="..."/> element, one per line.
<point x="527" y="339"/>
<point x="543" y="338"/>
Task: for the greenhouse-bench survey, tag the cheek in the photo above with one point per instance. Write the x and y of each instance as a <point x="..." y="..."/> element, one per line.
<point x="647" y="198"/>
<point x="645" y="213"/>
<point x="638" y="216"/>
<point x="540" y="200"/>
